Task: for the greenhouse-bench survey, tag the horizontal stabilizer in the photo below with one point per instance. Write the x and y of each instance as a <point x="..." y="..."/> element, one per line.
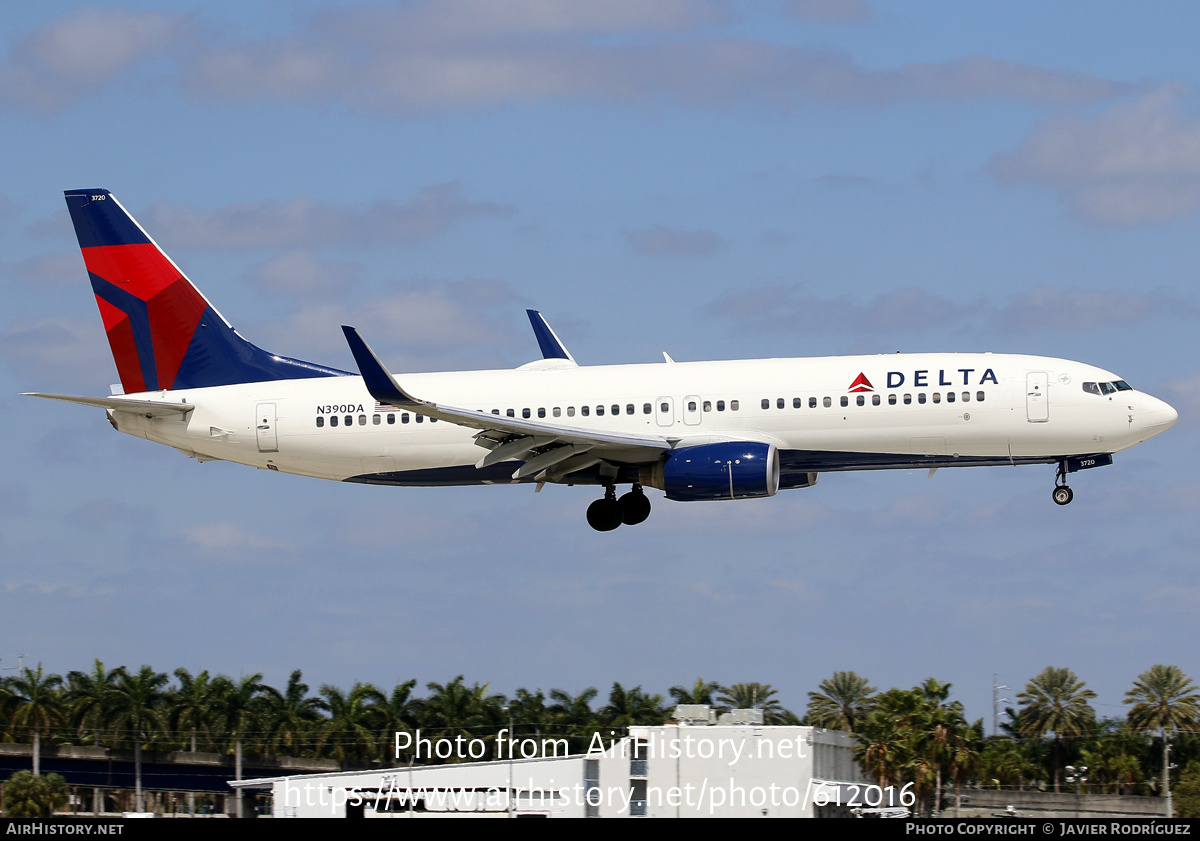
<point x="149" y="408"/>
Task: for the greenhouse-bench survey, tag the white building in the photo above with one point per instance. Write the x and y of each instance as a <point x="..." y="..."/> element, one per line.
<point x="678" y="770"/>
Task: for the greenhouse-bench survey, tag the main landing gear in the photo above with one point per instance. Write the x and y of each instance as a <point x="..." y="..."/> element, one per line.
<point x="1062" y="494"/>
<point x="608" y="513"/>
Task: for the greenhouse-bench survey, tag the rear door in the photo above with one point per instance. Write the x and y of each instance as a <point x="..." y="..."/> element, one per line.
<point x="264" y="428"/>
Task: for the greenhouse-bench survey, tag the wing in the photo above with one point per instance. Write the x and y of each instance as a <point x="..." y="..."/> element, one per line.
<point x="546" y="448"/>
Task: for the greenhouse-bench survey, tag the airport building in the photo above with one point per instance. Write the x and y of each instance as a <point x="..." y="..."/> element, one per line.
<point x="696" y="768"/>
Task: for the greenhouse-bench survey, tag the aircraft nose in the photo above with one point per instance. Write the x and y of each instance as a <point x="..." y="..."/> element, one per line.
<point x="1156" y="416"/>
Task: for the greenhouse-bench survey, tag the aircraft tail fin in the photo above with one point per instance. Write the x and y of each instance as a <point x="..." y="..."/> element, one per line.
<point x="164" y="334"/>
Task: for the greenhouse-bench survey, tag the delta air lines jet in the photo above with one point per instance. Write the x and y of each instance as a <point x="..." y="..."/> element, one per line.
<point x="693" y="430"/>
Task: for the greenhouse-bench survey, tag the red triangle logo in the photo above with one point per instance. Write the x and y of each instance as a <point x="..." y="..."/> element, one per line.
<point x="861" y="383"/>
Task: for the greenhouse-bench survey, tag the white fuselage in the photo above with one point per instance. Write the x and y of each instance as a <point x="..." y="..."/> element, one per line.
<point x="909" y="410"/>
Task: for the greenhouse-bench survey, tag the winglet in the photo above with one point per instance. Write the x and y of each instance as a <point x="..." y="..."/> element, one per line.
<point x="552" y="347"/>
<point x="378" y="380"/>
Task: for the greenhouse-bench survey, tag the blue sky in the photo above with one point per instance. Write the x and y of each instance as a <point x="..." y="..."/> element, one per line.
<point x="714" y="179"/>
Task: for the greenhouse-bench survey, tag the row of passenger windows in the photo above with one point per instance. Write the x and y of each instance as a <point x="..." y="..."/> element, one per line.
<point x="876" y="400"/>
<point x="647" y="408"/>
<point x="334" y="420"/>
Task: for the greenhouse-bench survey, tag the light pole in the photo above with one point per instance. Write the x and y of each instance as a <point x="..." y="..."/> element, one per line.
<point x="1078" y="776"/>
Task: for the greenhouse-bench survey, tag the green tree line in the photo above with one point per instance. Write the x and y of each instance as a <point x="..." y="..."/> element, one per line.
<point x="918" y="735"/>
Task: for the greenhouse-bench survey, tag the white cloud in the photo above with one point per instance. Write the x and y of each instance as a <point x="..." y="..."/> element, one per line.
<point x="1136" y="162"/>
<point x="304" y="222"/>
<point x="830" y="11"/>
<point x="432" y="56"/>
<point x="227" y="537"/>
<point x="80" y="52"/>
<point x="303" y="273"/>
<point x="661" y="241"/>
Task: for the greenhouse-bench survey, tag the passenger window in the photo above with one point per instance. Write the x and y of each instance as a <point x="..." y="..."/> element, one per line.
<point x="720" y="405"/>
<point x="541" y="412"/>
<point x="570" y="411"/>
<point x="708" y="405"/>
<point x="908" y="400"/>
<point x="646" y="408"/>
<point x="362" y="420"/>
<point x="375" y="420"/>
<point x="966" y="397"/>
<point x="320" y="421"/>
<point x="875" y="399"/>
<point x="691" y="405"/>
<point x="921" y="397"/>
<point x="812" y="402"/>
<point x="391" y="418"/>
<point x="950" y="397"/>
<point x="557" y="412"/>
<point x="827" y="402"/>
<point x="510" y="413"/>
<point x="779" y="404"/>
<point x="585" y="410"/>
<point x="495" y="411"/>
<point x="629" y="408"/>
<point x="797" y="402"/>
<point x="891" y="400"/>
<point x="404" y="418"/>
<point x="979" y="397"/>
<point x="937" y="397"/>
<point x="333" y="420"/>
<point x="862" y="400"/>
<point x="599" y="411"/>
<point x="525" y="413"/>
<point x="845" y="401"/>
<point x="420" y="418"/>
<point x="349" y="420"/>
<point x="433" y="420"/>
<point x="733" y="405"/>
<point x="766" y="404"/>
<point x="616" y="410"/>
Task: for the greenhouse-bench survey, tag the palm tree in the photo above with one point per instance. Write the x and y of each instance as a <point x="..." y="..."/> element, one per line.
<point x="754" y="696"/>
<point x="295" y="715"/>
<point x="138" y="708"/>
<point x="456" y="709"/>
<point x="1166" y="700"/>
<point x="1055" y="701"/>
<point x="842" y="702"/>
<point x="628" y="707"/>
<point x="573" y="715"/>
<point x="192" y="703"/>
<point x="700" y="693"/>
<point x="90" y="697"/>
<point x="350" y="730"/>
<point x="241" y="708"/>
<point x="38" y="707"/>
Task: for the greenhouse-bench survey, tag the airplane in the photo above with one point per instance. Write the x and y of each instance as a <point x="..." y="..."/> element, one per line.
<point x="720" y="430"/>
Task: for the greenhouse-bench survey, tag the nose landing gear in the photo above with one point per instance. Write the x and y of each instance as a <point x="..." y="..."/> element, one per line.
<point x="608" y="513"/>
<point x="1062" y="494"/>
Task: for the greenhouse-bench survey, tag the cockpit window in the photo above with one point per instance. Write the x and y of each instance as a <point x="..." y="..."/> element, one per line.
<point x="1123" y="386"/>
<point x="1091" y="388"/>
<point x="1108" y="388"/>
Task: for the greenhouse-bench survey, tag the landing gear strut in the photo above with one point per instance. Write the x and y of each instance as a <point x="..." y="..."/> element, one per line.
<point x="1062" y="494"/>
<point x="608" y="513"/>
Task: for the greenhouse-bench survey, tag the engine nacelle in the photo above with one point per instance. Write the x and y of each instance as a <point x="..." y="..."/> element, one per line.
<point x="727" y="470"/>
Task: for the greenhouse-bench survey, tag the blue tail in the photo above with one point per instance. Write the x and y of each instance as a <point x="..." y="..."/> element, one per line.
<point x="163" y="333"/>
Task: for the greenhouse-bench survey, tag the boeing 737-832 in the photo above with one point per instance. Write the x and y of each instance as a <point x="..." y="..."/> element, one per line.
<point x="694" y="430"/>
